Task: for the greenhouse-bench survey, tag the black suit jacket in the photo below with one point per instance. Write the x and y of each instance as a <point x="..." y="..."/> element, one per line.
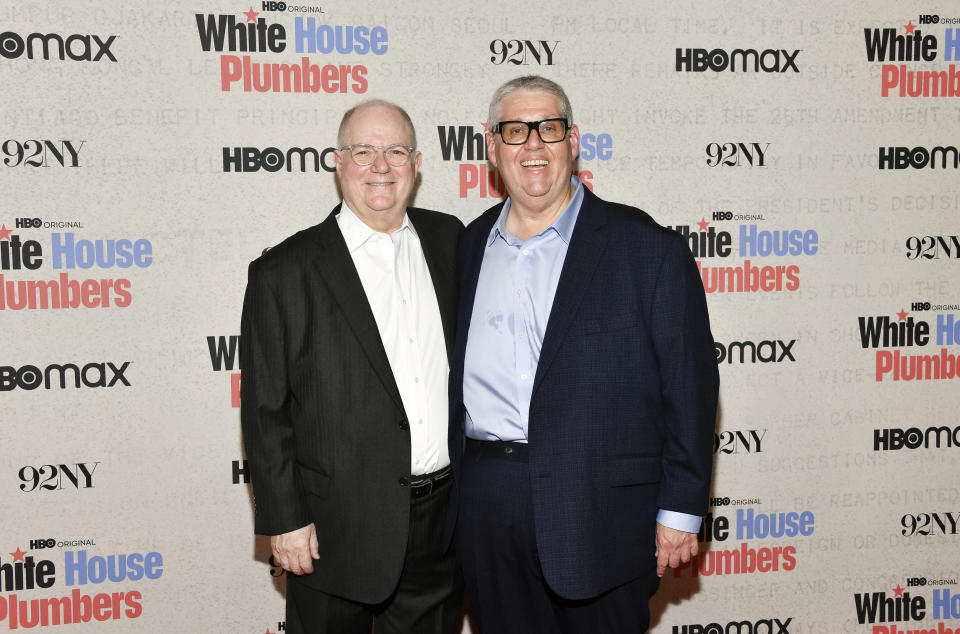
<point x="325" y="432"/>
<point x="624" y="398"/>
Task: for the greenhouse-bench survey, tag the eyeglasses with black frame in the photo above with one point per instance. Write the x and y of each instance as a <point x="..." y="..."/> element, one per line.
<point x="363" y="154"/>
<point x="517" y="132"/>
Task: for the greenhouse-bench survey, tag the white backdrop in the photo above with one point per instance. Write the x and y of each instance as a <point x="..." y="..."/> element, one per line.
<point x="120" y="146"/>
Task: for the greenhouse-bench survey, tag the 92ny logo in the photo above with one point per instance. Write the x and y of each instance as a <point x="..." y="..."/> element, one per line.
<point x="929" y="524"/>
<point x="51" y="477"/>
<point x="521" y="52"/>
<point x="933" y="247"/>
<point x="41" y="153"/>
<point x="736" y="154"/>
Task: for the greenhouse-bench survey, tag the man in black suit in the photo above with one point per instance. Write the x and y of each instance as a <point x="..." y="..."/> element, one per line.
<point x="347" y="329"/>
<point x="583" y="391"/>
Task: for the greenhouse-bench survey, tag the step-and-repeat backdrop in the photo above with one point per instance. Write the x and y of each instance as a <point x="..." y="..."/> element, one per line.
<point x="808" y="153"/>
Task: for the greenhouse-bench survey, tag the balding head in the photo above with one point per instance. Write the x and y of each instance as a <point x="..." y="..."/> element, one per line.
<point x="343" y="132"/>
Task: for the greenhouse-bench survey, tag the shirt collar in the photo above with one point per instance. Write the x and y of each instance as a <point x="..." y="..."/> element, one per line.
<point x="562" y="226"/>
<point x="356" y="232"/>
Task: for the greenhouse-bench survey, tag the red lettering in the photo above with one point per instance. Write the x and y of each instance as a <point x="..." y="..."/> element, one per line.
<point x="230" y="71"/>
<point x="469" y="178"/>
<point x="360" y="79"/>
<point x="122" y="289"/>
<point x="789" y="560"/>
<point x="235" y="389"/>
<point x="134" y="608"/>
<point x="586" y="177"/>
<point x="90" y="293"/>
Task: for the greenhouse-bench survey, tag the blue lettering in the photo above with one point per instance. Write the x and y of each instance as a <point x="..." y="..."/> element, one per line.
<point x="752" y="525"/>
<point x="378" y="40"/>
<point x="153" y="565"/>
<point x="604" y="147"/>
<point x="587" y="146"/>
<point x="756" y="242"/>
<point x="81" y="570"/>
<point x="951" y="51"/>
<point x="598" y="146"/>
<point x="78" y="567"/>
<point x="97" y="569"/>
<point x="62" y="251"/>
<point x="142" y="253"/>
<point x="945" y="606"/>
<point x="344" y="39"/>
<point x="305" y="37"/>
<point x="123" y="256"/>
<point x="135" y="566"/>
<point x="363" y="40"/>
<point x="69" y="253"/>
<point x="744" y="524"/>
<point x="948" y="330"/>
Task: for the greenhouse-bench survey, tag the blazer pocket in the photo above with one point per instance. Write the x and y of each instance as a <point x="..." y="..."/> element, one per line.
<point x="608" y="322"/>
<point x="315" y="482"/>
<point x="627" y="470"/>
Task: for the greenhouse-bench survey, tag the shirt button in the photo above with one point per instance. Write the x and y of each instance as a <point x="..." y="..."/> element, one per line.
<point x="526" y="251"/>
<point x="416" y="379"/>
<point x="410" y="340"/>
<point x="419" y="421"/>
<point x="523" y="376"/>
<point x="519" y="292"/>
<point x="404" y="301"/>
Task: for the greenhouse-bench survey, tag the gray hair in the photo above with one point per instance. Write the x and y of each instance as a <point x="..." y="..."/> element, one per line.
<point x="528" y="82"/>
<point x="345" y="121"/>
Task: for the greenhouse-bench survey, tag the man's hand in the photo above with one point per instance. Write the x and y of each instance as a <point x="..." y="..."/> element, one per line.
<point x="674" y="547"/>
<point x="295" y="551"/>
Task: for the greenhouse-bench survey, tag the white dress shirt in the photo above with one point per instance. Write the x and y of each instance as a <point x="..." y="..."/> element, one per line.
<point x="399" y="289"/>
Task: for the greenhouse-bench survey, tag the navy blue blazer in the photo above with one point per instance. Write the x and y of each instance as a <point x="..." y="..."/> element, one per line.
<point x="624" y="399"/>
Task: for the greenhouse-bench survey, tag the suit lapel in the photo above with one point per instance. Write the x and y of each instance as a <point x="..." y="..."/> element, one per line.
<point x="336" y="268"/>
<point x="442" y="276"/>
<point x="586" y="248"/>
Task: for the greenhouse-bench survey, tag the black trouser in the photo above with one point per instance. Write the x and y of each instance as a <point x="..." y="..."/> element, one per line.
<point x="428" y="598"/>
<point x="497" y="547"/>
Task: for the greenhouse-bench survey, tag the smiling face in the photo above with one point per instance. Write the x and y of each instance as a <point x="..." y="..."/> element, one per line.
<point x="378" y="193"/>
<point x="536" y="174"/>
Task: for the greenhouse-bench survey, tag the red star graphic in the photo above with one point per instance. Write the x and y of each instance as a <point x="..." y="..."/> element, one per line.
<point x="910" y="26"/>
<point x="484" y="124"/>
<point x="18" y="554"/>
<point x="902" y="315"/>
<point x="703" y="224"/>
<point x="268" y="631"/>
<point x="251" y="15"/>
<point x="898" y="591"/>
<point x="5" y="233"/>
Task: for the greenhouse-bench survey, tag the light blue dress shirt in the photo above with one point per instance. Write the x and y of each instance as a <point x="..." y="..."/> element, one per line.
<point x="515" y="290"/>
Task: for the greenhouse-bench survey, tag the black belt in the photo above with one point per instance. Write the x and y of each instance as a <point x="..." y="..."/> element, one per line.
<point x="423" y="485"/>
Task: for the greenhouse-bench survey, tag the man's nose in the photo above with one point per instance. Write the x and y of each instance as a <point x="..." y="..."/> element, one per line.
<point x="533" y="139"/>
<point x="380" y="164"/>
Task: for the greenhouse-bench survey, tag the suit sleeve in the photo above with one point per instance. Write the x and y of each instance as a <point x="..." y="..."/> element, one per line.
<point x="268" y="431"/>
<point x="689" y="382"/>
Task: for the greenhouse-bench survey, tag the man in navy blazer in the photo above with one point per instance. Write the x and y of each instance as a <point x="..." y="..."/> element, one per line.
<point x="583" y="391"/>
